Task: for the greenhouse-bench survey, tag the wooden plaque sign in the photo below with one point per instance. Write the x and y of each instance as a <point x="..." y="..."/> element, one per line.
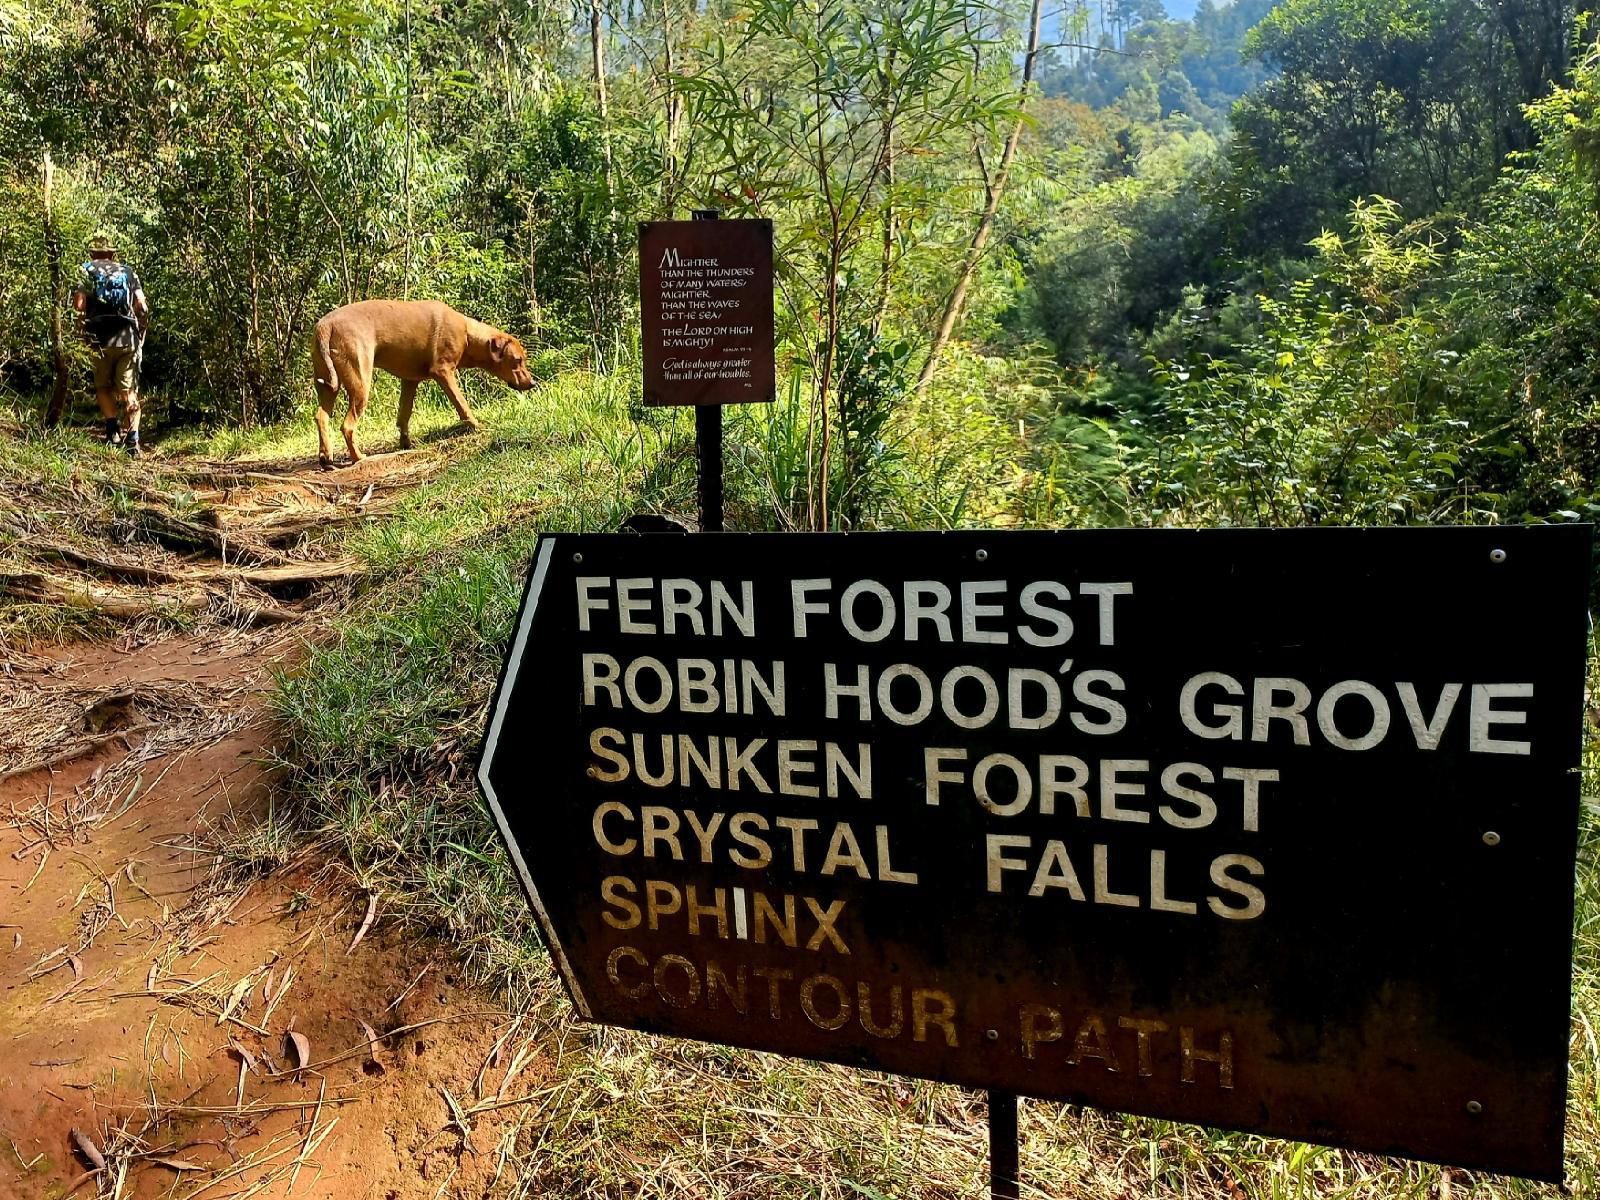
<point x="705" y="295"/>
<point x="1273" y="831"/>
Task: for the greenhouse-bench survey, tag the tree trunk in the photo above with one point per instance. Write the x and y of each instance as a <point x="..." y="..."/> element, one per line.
<point x="880" y="310"/>
<point x="996" y="190"/>
<point x="818" y="502"/>
<point x="535" y="317"/>
<point x="597" y="49"/>
<point x="829" y="359"/>
<point x="57" y="408"/>
<point x="670" y="183"/>
<point x="252" y="381"/>
<point x="890" y="226"/>
<point x="601" y="306"/>
<point x="405" y="286"/>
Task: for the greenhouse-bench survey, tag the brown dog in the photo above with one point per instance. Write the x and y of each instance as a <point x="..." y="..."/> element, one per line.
<point x="413" y="340"/>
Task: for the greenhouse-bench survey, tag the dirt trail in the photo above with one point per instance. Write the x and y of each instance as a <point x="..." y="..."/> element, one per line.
<point x="149" y="985"/>
<point x="247" y="544"/>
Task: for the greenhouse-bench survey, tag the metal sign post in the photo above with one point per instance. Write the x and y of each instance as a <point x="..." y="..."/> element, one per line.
<point x="1003" y="1171"/>
<point x="708" y="459"/>
<point x="1204" y="825"/>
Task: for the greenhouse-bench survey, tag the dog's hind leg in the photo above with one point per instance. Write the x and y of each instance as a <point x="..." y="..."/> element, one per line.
<point x="325" y="399"/>
<point x="327" y="381"/>
<point x="408" y="394"/>
<point x="356" y="384"/>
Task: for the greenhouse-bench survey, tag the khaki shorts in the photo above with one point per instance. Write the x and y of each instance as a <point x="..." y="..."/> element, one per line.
<point x="113" y="370"/>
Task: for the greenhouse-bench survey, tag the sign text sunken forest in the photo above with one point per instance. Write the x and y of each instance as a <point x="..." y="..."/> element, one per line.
<point x="1269" y="830"/>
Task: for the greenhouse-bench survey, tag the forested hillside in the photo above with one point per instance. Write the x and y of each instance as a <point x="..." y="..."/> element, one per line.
<point x="1319" y="261"/>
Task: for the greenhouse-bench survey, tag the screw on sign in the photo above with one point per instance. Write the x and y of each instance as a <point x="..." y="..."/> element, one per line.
<point x="1206" y="825"/>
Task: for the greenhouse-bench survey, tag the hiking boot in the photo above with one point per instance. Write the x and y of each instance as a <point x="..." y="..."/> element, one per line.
<point x="132" y="445"/>
<point x="113" y="433"/>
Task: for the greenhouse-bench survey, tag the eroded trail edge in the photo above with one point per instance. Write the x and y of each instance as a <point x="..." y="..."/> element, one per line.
<point x="190" y="1003"/>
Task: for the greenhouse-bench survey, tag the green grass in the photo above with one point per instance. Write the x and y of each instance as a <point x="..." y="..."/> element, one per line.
<point x="382" y="726"/>
<point x="383" y="758"/>
<point x="295" y="437"/>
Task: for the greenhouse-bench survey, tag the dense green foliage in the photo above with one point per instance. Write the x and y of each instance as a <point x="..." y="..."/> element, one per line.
<point x="1438" y="370"/>
<point x="1367" y="297"/>
<point x="1320" y="260"/>
<point x="261" y="162"/>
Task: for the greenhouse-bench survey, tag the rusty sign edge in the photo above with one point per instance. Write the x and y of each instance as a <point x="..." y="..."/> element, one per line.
<point x="502" y="700"/>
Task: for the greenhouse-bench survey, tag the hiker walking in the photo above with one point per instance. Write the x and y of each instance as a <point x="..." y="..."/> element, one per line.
<point x="115" y="316"/>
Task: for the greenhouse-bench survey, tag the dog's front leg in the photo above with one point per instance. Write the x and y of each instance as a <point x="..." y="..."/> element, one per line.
<point x="452" y="388"/>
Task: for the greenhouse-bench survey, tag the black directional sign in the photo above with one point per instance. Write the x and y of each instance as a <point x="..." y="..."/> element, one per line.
<point x="1273" y="831"/>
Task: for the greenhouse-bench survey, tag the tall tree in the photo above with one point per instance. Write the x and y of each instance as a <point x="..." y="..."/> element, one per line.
<point x="1417" y="100"/>
<point x="57" y="408"/>
<point x="994" y="192"/>
<point x="806" y="109"/>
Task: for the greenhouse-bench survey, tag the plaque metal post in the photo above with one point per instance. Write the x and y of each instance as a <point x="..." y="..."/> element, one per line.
<point x="708" y="443"/>
<point x="1003" y="1183"/>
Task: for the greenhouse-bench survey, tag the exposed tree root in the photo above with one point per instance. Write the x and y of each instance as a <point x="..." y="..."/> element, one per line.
<point x="203" y="540"/>
<point x="78" y="750"/>
<point x="292" y="574"/>
<point x="39" y="588"/>
<point x="384" y="470"/>
<point x="250" y="618"/>
<point x="283" y="529"/>
<point x="209" y="537"/>
<point x="233" y="479"/>
<point x="135" y="572"/>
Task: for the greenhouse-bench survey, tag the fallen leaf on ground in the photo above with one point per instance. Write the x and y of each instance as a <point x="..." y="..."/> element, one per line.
<point x="244" y="1055"/>
<point x="372" y="1049"/>
<point x="298" y="1049"/>
<point x="366" y="923"/>
<point x="179" y="1164"/>
<point x="239" y="989"/>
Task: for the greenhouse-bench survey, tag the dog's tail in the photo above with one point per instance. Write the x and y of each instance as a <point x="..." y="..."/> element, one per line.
<point x="322" y="368"/>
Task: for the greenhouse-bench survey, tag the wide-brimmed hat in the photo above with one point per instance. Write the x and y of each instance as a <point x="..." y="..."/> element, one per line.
<point x="101" y="246"/>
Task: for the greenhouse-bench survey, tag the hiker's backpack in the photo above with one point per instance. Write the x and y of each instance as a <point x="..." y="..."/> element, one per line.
<point x="110" y="287"/>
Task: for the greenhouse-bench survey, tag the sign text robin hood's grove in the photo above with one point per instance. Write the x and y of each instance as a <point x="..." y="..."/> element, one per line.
<point x="1269" y="830"/>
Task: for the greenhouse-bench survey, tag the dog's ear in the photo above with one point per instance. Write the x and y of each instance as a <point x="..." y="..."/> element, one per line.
<point x="497" y="348"/>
